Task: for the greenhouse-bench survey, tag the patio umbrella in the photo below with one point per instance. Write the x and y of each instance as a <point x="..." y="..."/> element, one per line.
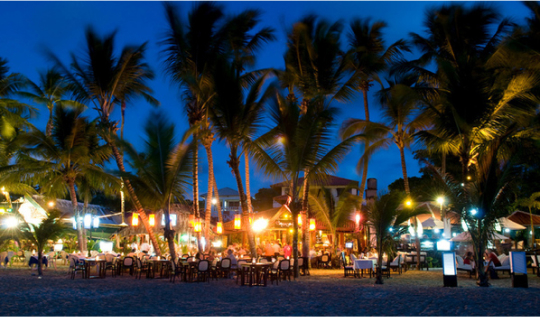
<point x="466" y="236"/>
<point x="507" y="223"/>
<point x="432" y="223"/>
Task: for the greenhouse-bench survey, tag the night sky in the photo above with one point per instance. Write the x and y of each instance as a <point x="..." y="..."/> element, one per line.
<point x="26" y="28"/>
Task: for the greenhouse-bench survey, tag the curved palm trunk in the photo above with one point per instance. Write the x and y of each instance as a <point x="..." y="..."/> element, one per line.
<point x="305" y="206"/>
<point x="234" y="163"/>
<point x="208" y="205"/>
<point x="40" y="261"/>
<point x="76" y="214"/>
<point x="408" y="191"/>
<point x="218" y="205"/>
<point x="248" y="192"/>
<point x="365" y="167"/>
<point x="196" y="186"/>
<point x="169" y="234"/>
<point x="135" y="199"/>
<point x="50" y="122"/>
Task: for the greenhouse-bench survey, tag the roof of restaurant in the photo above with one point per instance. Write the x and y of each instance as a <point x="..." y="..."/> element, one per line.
<point x="524" y="218"/>
<point x="224" y="192"/>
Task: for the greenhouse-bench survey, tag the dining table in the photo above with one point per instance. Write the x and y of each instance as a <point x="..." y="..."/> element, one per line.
<point x="252" y="273"/>
<point x="157" y="266"/>
<point x="364" y="264"/>
<point x="94" y="268"/>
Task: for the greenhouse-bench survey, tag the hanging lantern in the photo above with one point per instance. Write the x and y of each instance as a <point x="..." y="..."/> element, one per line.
<point x="237" y="222"/>
<point x="312" y="224"/>
<point x="172" y="218"/>
<point x="152" y="220"/>
<point x="95" y="223"/>
<point x="198" y="225"/>
<point x="219" y="228"/>
<point x="357" y="219"/>
<point x="135" y="219"/>
<point x="191" y="220"/>
<point x="299" y="220"/>
<point x="74" y="223"/>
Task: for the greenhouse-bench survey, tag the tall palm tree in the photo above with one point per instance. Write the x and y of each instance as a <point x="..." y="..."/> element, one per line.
<point x="403" y="120"/>
<point x="51" y="228"/>
<point x="531" y="202"/>
<point x="51" y="91"/>
<point x="305" y="146"/>
<point x="103" y="79"/>
<point x="162" y="170"/>
<point x="369" y="57"/>
<point x="191" y="50"/>
<point x="316" y="67"/>
<point x="236" y="119"/>
<point x="334" y="212"/>
<point x="57" y="164"/>
<point x="478" y="92"/>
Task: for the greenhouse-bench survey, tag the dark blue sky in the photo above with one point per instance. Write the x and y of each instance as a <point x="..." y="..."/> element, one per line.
<point x="28" y="27"/>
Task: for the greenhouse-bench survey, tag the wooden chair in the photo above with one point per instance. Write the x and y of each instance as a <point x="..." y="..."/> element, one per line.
<point x="285" y="269"/>
<point x="535" y="265"/>
<point x="273" y="273"/>
<point x="225" y="268"/>
<point x="303" y="264"/>
<point x="396" y="265"/>
<point x="76" y="266"/>
<point x="203" y="271"/>
<point x="127" y="264"/>
<point x="141" y="268"/>
<point x="110" y="264"/>
<point x="52" y="259"/>
<point x="347" y="269"/>
<point x="325" y="261"/>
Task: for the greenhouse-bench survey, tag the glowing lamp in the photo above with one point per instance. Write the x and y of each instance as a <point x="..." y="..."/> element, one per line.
<point x="237" y="222"/>
<point x="198" y="225"/>
<point x="87" y="220"/>
<point x="2" y="211"/>
<point x="11" y="222"/>
<point x="214" y="201"/>
<point x="58" y="247"/>
<point x="106" y="246"/>
<point x="357" y="218"/>
<point x="440" y="200"/>
<point x="51" y="204"/>
<point x="408" y="203"/>
<point x="219" y="228"/>
<point x="74" y="223"/>
<point x="312" y="224"/>
<point x="152" y="220"/>
<point x="135" y="219"/>
<point x="95" y="222"/>
<point x="260" y="224"/>
<point x="449" y="269"/>
<point x="299" y="220"/>
<point x="191" y="221"/>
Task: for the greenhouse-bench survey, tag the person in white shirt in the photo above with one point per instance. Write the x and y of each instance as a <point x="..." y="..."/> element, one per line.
<point x="276" y="247"/>
<point x="145" y="247"/>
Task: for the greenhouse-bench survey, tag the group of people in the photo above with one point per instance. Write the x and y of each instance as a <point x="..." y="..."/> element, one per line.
<point x="491" y="259"/>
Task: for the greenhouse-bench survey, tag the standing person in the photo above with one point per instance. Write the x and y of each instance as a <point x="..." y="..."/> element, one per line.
<point x="145" y="247"/>
<point x="287" y="251"/>
<point x="276" y="248"/>
<point x="268" y="249"/>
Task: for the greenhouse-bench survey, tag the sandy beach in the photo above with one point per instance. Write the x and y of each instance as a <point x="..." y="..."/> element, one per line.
<point x="325" y="292"/>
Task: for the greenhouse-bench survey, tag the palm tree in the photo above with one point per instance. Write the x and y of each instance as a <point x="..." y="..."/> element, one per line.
<point x="162" y="170"/>
<point x="57" y="164"/>
<point x="305" y="146"/>
<point x="477" y="92"/>
<point x="369" y="57"/>
<point x="191" y="51"/>
<point x="51" y="228"/>
<point x="316" y="66"/>
<point x="399" y="105"/>
<point x="51" y="91"/>
<point x="334" y="212"/>
<point x="102" y="79"/>
<point x="531" y="202"/>
<point x="385" y="215"/>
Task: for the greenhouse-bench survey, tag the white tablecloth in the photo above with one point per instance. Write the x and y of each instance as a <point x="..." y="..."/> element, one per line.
<point x="363" y="264"/>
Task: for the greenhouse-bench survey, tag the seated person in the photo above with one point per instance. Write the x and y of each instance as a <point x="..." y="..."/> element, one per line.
<point x="468" y="258"/>
<point x="234" y="262"/>
<point x="491" y="257"/>
<point x="211" y="257"/>
<point x="199" y="256"/>
<point x="132" y="253"/>
<point x="34" y="260"/>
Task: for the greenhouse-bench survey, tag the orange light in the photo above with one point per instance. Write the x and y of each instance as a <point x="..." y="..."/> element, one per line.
<point x="219" y="228"/>
<point x="299" y="220"/>
<point x="198" y="225"/>
<point x="152" y="220"/>
<point x="237" y="222"/>
<point x="312" y="224"/>
<point x="358" y="218"/>
<point x="135" y="219"/>
<point x="191" y="221"/>
<point x="250" y="219"/>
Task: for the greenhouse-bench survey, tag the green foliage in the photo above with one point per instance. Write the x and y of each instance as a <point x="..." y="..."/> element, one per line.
<point x="264" y="198"/>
